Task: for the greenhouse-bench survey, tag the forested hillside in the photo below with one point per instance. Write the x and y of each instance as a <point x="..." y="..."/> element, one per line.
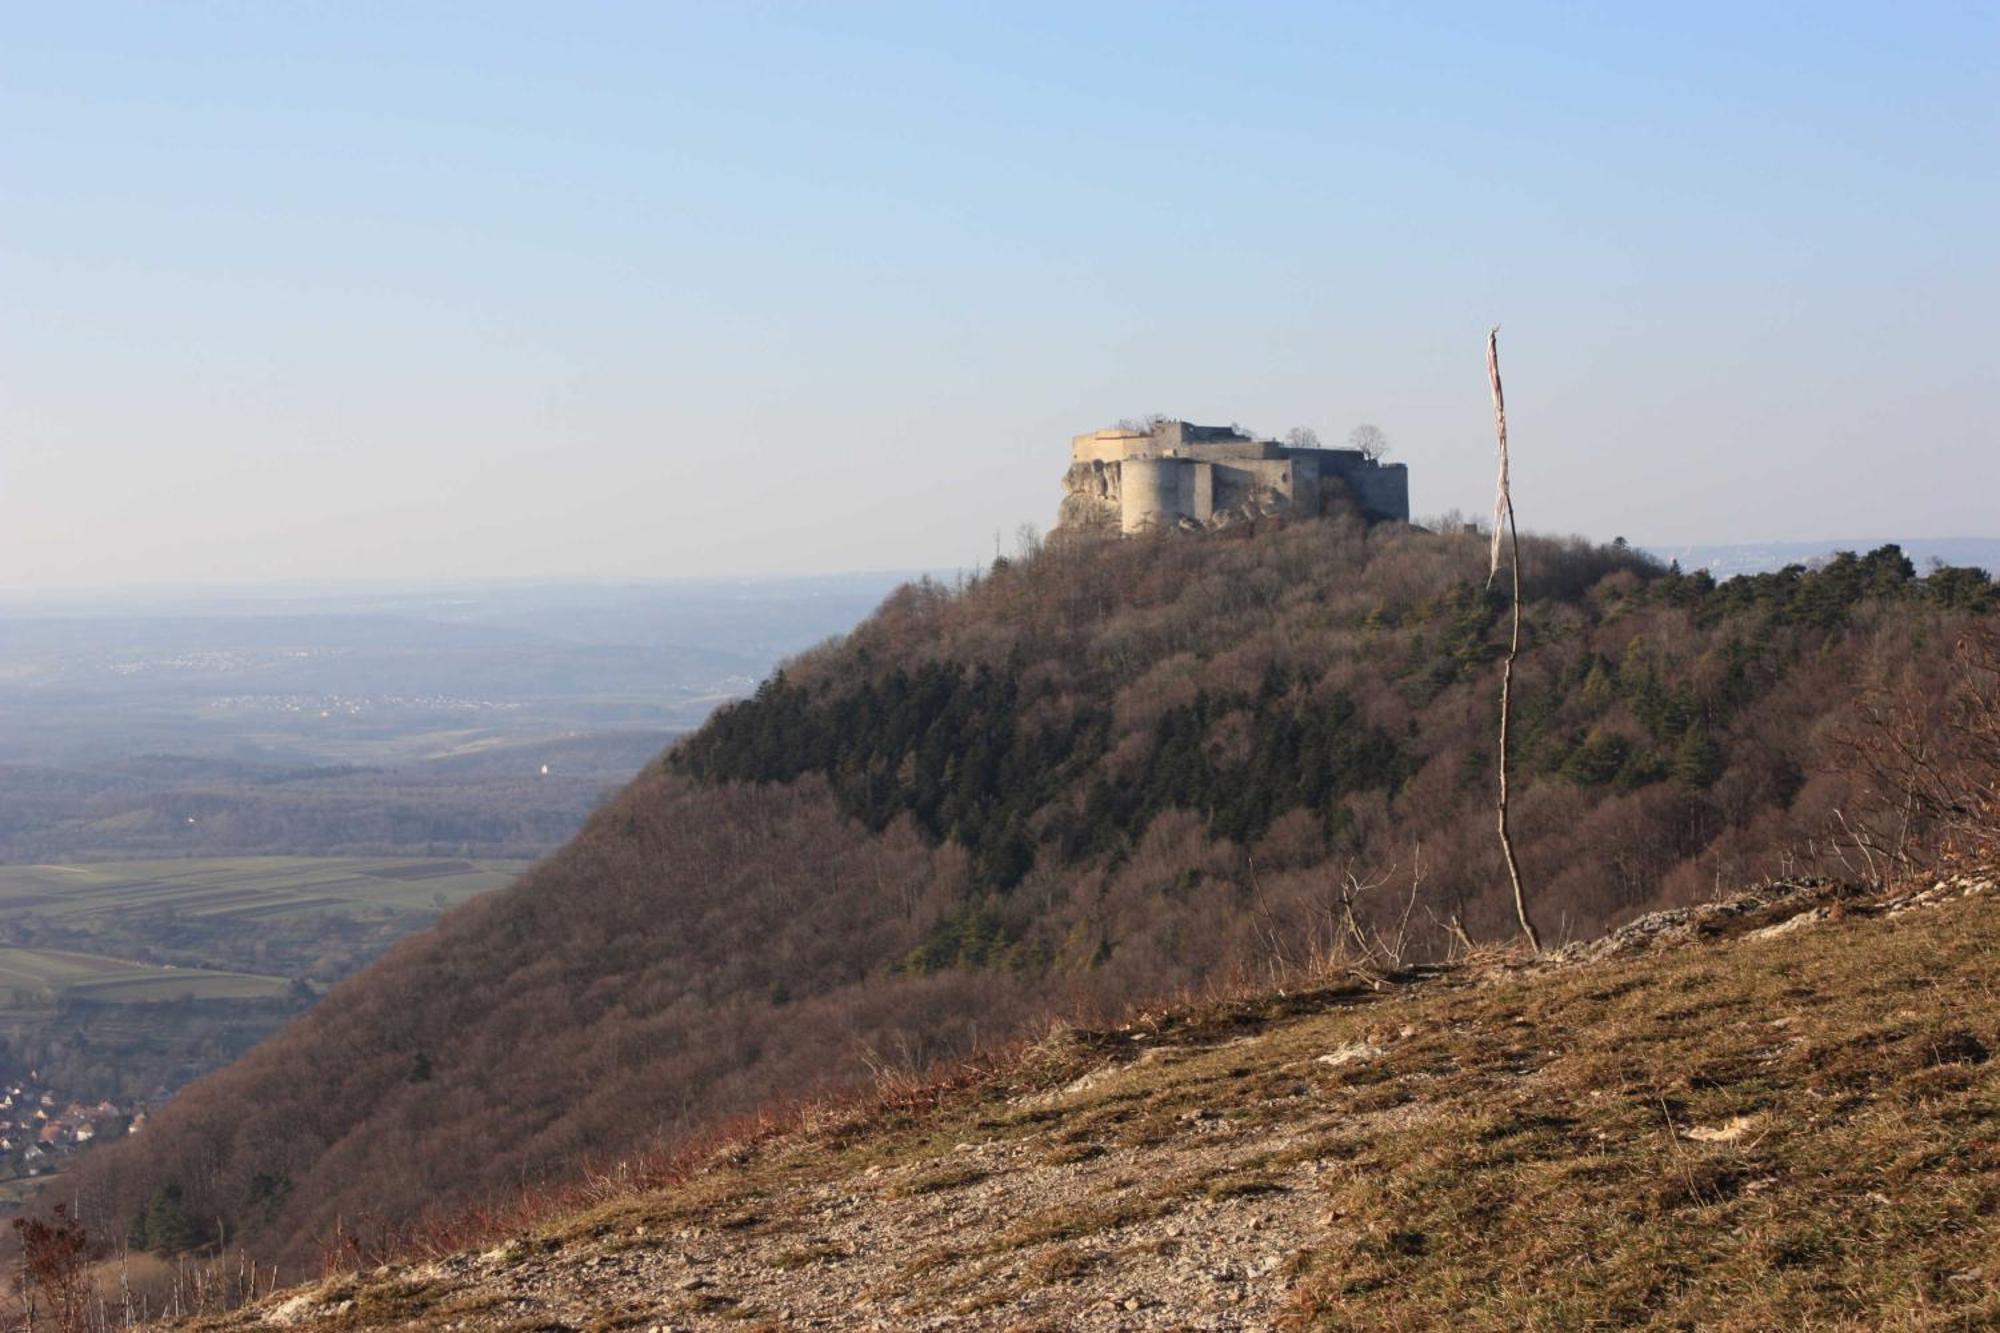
<point x="1093" y="775"/>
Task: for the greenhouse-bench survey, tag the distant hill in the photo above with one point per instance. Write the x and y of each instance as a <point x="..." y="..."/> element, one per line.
<point x="1764" y="557"/>
<point x="1103" y="773"/>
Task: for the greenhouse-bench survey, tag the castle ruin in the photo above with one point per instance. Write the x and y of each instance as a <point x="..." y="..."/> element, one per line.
<point x="1170" y="474"/>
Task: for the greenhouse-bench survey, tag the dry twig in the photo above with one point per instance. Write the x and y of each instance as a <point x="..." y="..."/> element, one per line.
<point x="1503" y="508"/>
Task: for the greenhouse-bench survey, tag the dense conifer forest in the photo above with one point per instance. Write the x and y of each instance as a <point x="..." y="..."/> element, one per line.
<point x="1095" y="774"/>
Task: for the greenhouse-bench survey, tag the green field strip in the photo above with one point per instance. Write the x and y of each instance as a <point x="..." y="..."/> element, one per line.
<point x="421" y="869"/>
<point x="474" y="878"/>
<point x="294" y="907"/>
<point x="55" y="973"/>
<point x="202" y="899"/>
<point x="267" y="872"/>
<point x="51" y="969"/>
<point x="180" y="983"/>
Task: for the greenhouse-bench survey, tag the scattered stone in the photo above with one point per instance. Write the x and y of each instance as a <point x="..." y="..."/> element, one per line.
<point x="1802" y="921"/>
<point x="289" y="1312"/>
<point x="1729" y="1131"/>
<point x="1348" y="1054"/>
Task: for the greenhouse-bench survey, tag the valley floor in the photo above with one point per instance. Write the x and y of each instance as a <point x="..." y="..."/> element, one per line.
<point x="1780" y="1111"/>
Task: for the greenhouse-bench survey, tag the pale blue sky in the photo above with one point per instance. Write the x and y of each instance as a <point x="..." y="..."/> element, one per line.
<point x="343" y="290"/>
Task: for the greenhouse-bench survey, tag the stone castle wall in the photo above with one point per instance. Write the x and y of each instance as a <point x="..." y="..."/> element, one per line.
<point x="1178" y="475"/>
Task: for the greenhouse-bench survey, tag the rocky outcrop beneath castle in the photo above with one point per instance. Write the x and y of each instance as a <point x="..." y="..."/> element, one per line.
<point x="1171" y="475"/>
<point x="1090" y="500"/>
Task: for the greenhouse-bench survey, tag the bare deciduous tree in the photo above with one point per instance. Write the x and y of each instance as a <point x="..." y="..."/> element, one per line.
<point x="54" y="1271"/>
<point x="1928" y="743"/>
<point x="1369" y="440"/>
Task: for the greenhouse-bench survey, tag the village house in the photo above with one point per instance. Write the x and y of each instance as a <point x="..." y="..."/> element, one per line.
<point x="34" y="1135"/>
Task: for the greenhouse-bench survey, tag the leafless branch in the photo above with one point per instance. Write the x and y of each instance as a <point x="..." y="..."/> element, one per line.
<point x="1503" y="507"/>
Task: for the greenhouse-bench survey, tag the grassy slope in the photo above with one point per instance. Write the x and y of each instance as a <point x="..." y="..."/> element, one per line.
<point x="1720" y="1123"/>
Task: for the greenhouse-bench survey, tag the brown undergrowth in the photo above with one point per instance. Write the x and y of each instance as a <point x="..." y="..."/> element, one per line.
<point x="1780" y="1111"/>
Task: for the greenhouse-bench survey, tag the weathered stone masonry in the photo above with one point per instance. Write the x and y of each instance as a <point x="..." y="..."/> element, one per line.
<point x="1177" y="475"/>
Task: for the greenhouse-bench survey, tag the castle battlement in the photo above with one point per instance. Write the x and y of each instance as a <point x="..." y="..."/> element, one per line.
<point x="1173" y="474"/>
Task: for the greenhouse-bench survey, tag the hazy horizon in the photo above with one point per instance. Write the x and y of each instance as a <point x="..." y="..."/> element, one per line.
<point x="1724" y="559"/>
<point x="644" y="292"/>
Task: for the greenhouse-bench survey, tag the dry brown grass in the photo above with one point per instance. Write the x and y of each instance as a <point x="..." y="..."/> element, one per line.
<point x="1801" y="1130"/>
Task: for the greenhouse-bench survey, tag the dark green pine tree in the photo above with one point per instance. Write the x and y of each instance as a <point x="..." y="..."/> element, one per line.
<point x="1697" y="760"/>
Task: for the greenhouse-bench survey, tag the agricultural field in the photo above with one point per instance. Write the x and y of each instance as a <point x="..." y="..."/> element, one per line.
<point x="124" y="979"/>
<point x="38" y="978"/>
<point x="270" y="888"/>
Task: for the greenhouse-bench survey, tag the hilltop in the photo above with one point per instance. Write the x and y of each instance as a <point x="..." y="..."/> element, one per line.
<point x="1778" y="1110"/>
<point x="1100" y="773"/>
<point x="1728" y="560"/>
